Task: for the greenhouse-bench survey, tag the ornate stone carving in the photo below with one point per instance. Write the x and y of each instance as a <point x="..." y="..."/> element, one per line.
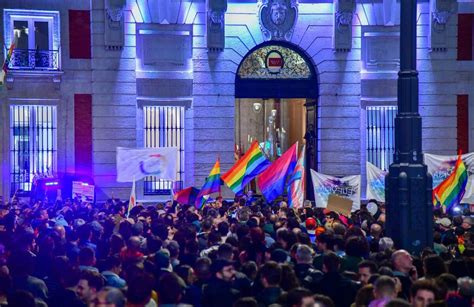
<point x="277" y="18"/>
<point x="343" y="12"/>
<point x="114" y="24"/>
<point x="216" y="25"/>
<point x="440" y="11"/>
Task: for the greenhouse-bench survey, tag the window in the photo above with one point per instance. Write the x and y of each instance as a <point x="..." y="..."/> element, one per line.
<point x="164" y="127"/>
<point x="36" y="38"/>
<point x="381" y="135"/>
<point x="32" y="144"/>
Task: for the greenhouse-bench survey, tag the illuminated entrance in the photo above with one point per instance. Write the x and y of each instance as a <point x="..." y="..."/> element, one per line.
<point x="276" y="90"/>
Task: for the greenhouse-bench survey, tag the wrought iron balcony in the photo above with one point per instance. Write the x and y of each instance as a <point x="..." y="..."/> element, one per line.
<point x="32" y="59"/>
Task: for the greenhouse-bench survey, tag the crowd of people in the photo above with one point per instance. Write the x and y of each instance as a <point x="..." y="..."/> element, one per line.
<point x="230" y="253"/>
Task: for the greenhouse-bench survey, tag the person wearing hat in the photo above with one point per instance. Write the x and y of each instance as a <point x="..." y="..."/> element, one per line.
<point x="218" y="291"/>
<point x="311" y="225"/>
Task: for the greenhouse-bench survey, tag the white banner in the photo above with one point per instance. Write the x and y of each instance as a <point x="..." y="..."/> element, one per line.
<point x="324" y="185"/>
<point x="440" y="167"/>
<point x="142" y="162"/>
<point x="375" y="182"/>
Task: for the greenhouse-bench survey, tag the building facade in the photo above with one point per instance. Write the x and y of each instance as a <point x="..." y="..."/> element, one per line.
<point x="210" y="76"/>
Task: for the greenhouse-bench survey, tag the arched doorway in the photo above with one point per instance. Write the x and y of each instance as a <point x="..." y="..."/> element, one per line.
<point x="276" y="90"/>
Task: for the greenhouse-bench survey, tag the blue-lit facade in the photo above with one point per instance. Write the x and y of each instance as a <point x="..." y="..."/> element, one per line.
<point x="210" y="76"/>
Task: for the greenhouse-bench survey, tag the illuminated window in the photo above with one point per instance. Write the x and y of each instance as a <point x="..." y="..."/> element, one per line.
<point x="163" y="126"/>
<point x="32" y="144"/>
<point x="36" y="38"/>
<point x="380" y="135"/>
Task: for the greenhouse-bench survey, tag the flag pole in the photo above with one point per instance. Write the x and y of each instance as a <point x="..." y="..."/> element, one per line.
<point x="132" y="200"/>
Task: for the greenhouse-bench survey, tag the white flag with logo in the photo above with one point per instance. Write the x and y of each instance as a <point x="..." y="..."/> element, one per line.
<point x="375" y="182"/>
<point x="325" y="185"/>
<point x="139" y="163"/>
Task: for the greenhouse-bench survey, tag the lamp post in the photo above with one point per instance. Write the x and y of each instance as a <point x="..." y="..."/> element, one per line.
<point x="408" y="186"/>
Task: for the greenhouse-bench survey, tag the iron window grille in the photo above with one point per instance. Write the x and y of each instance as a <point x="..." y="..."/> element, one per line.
<point x="33" y="145"/>
<point x="381" y="135"/>
<point x="164" y="127"/>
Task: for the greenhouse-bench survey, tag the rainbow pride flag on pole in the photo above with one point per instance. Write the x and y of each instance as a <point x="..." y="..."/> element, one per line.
<point x="272" y="181"/>
<point x="450" y="192"/>
<point x="297" y="182"/>
<point x="9" y="56"/>
<point x="132" y="201"/>
<point x="211" y="185"/>
<point x="186" y="196"/>
<point x="248" y="167"/>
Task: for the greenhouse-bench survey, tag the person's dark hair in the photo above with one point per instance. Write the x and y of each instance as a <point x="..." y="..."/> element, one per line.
<point x="369" y="264"/>
<point x="364" y="295"/>
<point x="202" y="267"/>
<point x="21" y="298"/>
<point x="386" y="271"/>
<point x="94" y="279"/>
<point x="250" y="269"/>
<point x="86" y="256"/>
<point x="449" y="280"/>
<point x="5" y="282"/>
<point x="223" y="228"/>
<point x="114" y="296"/>
<point x="245" y="302"/>
<point x="153" y="244"/>
<point x="21" y="263"/>
<point x="111" y="262"/>
<point x="332" y="262"/>
<point x="385" y="284"/>
<point x="398" y="302"/>
<point x="170" y="288"/>
<point x="183" y="272"/>
<point x="296" y="295"/>
<point x="225" y="251"/>
<point x="289" y="280"/>
<point x="271" y="271"/>
<point x="357" y="246"/>
<point x="326" y="238"/>
<point x="324" y="300"/>
<point x="140" y="285"/>
<point x="458" y="268"/>
<point x="424" y="284"/>
<point x="434" y="266"/>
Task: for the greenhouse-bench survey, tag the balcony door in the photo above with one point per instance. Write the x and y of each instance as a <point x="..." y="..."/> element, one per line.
<point x="34" y="43"/>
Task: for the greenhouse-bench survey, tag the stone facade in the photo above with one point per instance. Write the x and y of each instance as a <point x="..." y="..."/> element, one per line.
<point x="350" y="79"/>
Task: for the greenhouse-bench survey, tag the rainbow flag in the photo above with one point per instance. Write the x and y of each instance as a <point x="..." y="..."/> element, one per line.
<point x="248" y="167"/>
<point x="272" y="181"/>
<point x="186" y="196"/>
<point x="132" y="201"/>
<point x="297" y="182"/>
<point x="450" y="192"/>
<point x="211" y="185"/>
<point x="9" y="56"/>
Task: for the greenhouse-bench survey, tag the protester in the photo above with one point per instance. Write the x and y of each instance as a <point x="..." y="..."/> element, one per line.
<point x="228" y="253"/>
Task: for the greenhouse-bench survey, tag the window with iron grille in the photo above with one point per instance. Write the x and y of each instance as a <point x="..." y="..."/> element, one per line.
<point x="164" y="127"/>
<point x="380" y="135"/>
<point x="32" y="144"/>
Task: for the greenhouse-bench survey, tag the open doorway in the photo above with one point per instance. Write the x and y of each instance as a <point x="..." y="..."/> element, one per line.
<point x="276" y="90"/>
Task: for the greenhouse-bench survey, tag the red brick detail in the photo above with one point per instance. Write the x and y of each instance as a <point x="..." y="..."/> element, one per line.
<point x="465" y="37"/>
<point x="83" y="133"/>
<point x="79" y="34"/>
<point x="463" y="123"/>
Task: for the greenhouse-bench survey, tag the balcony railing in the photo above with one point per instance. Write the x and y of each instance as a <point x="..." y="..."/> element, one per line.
<point x="32" y="59"/>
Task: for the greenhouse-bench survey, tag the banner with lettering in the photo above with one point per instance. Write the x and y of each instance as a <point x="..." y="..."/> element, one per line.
<point x="440" y="167"/>
<point x="325" y="185"/>
<point x="375" y="182"/>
